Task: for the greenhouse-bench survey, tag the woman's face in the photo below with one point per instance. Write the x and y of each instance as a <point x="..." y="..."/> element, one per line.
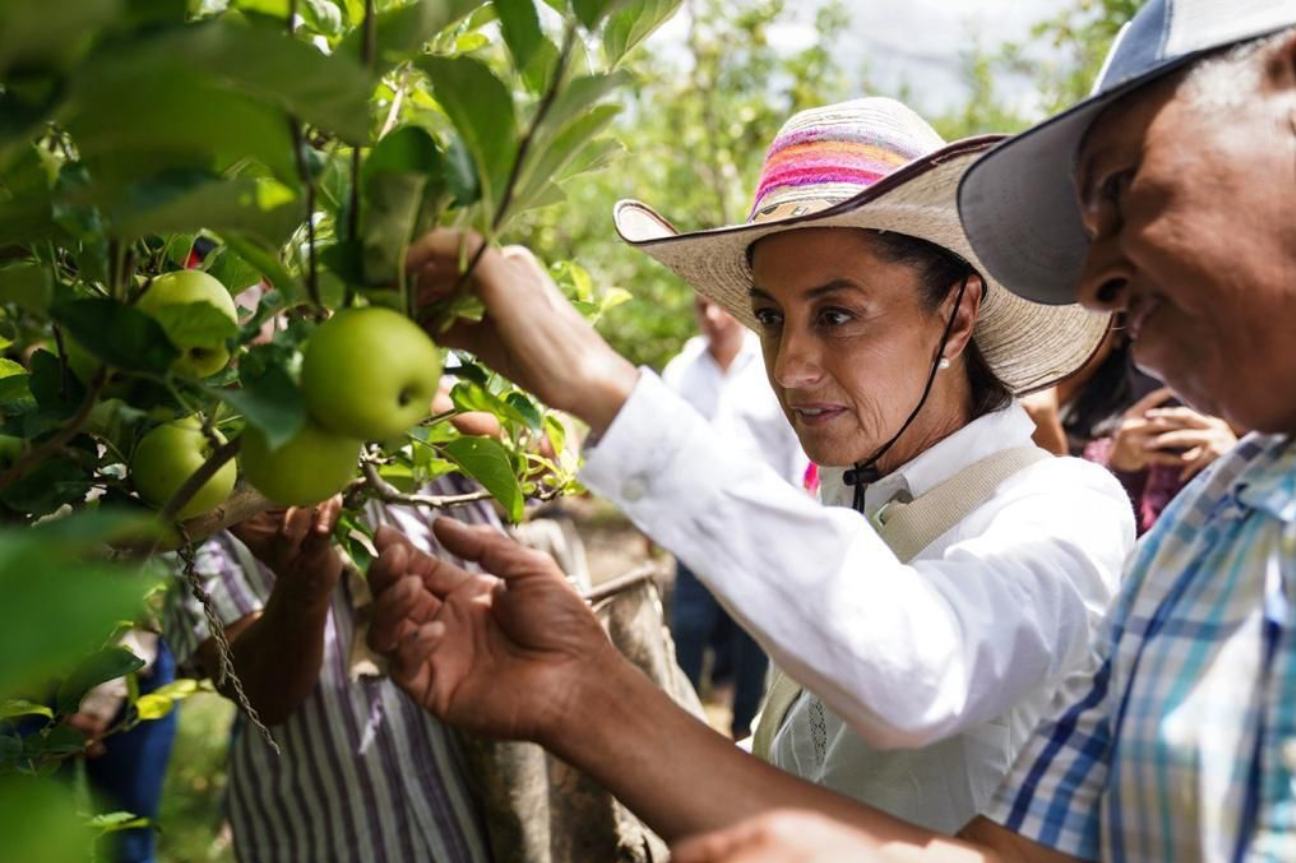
<point x="849" y="342"/>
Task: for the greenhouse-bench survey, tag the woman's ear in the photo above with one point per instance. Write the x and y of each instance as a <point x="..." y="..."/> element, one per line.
<point x="966" y="311"/>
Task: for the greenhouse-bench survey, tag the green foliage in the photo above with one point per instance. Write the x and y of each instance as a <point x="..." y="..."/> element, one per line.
<point x="300" y="157"/>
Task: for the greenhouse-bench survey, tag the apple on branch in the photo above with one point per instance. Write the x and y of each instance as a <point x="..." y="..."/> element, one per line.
<point x="171" y="453"/>
<point x="370" y="374"/>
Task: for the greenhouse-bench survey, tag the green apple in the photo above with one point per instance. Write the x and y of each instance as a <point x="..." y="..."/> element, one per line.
<point x="168" y="455"/>
<point x="311" y="467"/>
<point x="370" y="373"/>
<point x="11" y="449"/>
<point x="191" y="286"/>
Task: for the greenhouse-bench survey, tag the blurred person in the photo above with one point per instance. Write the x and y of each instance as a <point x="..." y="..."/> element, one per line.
<point x="931" y="608"/>
<point x="1115" y="415"/>
<point x="721" y="373"/>
<point x="364" y="775"/>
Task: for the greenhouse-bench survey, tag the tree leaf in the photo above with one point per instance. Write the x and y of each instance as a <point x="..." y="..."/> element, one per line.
<point x="527" y="408"/>
<point x="633" y="23"/>
<point x="101" y="667"/>
<point x="47" y="487"/>
<point x="15" y="707"/>
<point x="28" y="286"/>
<point x="401" y="33"/>
<point x="521" y="28"/>
<point x="591" y="12"/>
<point x="486" y="460"/>
<point x="152" y="706"/>
<point x="481" y="108"/>
<point x="57" y="605"/>
<point x="562" y="151"/>
<point x="39" y="821"/>
<point x="329" y="92"/>
<point x="35" y="38"/>
<point x="189" y="200"/>
<point x="119" y="335"/>
<point x="199" y="324"/>
<point x="271" y="403"/>
<point x="57" y="396"/>
<point x="577" y="97"/>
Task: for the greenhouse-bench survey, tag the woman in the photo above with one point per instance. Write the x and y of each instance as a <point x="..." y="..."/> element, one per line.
<point x="930" y="652"/>
<point x="1112" y="414"/>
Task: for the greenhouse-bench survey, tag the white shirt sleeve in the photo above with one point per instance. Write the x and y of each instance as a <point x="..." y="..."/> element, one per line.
<point x="906" y="655"/>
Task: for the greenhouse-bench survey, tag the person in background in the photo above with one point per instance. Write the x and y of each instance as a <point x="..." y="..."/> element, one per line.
<point x="721" y="373"/>
<point x="1115" y="415"/>
<point x="126" y="771"/>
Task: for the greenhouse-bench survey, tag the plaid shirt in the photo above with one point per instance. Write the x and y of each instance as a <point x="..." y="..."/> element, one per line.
<point x="1179" y="741"/>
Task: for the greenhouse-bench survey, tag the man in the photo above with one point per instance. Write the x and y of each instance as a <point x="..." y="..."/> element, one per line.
<point x="722" y="375"/>
<point x="362" y="774"/>
<point x="1180" y="747"/>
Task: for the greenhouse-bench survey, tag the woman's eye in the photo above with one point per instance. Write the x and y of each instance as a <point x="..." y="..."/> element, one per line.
<point x="767" y="317"/>
<point x="834" y="317"/>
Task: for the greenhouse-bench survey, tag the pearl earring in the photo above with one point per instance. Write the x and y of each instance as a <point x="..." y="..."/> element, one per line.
<point x="943" y="364"/>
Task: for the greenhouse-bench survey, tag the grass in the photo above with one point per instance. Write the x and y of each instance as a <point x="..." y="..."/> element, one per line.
<point x="190" y="819"/>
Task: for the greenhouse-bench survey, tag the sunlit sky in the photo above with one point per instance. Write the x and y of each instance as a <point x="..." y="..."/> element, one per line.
<point x="909" y="41"/>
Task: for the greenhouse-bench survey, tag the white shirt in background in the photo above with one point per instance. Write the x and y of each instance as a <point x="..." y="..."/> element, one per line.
<point x="739" y="403"/>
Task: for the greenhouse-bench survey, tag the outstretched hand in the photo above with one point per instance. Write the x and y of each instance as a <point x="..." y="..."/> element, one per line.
<point x="502" y="654"/>
<point x="530" y="333"/>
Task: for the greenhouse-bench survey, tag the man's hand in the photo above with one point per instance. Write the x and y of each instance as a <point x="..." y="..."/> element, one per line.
<point x="781" y="837"/>
<point x="502" y="654"/>
<point x="530" y="333"/>
<point x="296" y="545"/>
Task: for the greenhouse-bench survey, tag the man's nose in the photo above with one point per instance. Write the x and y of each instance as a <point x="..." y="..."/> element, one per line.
<point x="1106" y="276"/>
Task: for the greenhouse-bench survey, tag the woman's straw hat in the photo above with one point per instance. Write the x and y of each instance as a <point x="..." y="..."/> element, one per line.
<point x="872" y="164"/>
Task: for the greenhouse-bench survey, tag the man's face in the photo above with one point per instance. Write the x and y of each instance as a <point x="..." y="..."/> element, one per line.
<point x="1191" y="210"/>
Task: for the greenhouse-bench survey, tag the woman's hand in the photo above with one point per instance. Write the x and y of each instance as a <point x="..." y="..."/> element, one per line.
<point x="1132" y="449"/>
<point x="1196" y="439"/>
<point x="1173" y="436"/>
<point x="296" y="544"/>
<point x="530" y="333"/>
<point x="504" y="654"/>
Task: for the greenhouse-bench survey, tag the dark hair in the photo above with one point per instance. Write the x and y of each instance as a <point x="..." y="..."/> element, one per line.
<point x="941" y="272"/>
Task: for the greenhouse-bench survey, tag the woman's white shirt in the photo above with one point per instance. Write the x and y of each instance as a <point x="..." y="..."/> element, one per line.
<point x="1001" y="607"/>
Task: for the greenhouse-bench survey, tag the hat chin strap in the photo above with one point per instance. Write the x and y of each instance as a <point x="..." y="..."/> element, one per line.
<point x="865" y="472"/>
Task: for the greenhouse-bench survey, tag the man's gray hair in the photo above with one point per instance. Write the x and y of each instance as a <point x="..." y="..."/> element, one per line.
<point x="1225" y="79"/>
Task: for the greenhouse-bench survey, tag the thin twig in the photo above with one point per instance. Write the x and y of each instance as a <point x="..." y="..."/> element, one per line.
<point x="308" y="183"/>
<point x="62" y="438"/>
<point x="241" y="505"/>
<point x="368" y="47"/>
<point x="198" y="479"/>
<point x="622" y="583"/>
<point x="388" y="493"/>
<point x="393" y="114"/>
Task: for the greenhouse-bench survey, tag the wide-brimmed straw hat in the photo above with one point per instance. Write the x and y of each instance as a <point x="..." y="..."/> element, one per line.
<point x="871" y="164"/>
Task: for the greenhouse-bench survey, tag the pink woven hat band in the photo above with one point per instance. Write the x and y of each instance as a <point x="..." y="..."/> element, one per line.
<point x="824" y="156"/>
